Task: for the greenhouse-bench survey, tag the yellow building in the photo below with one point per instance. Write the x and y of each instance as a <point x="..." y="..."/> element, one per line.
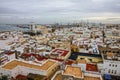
<point x="43" y="29"/>
<point x="74" y="48"/>
<point x="22" y="40"/>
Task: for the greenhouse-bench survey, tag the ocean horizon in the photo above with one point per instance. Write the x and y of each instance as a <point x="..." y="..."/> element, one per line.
<point x="11" y="28"/>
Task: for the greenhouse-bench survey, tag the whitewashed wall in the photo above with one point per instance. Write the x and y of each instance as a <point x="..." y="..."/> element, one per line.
<point x="5" y="72"/>
<point x="25" y="71"/>
<point x="15" y="71"/>
<point x="100" y="67"/>
<point x="82" y="66"/>
<point x="21" y="70"/>
<point x="107" y="67"/>
<point x="93" y="75"/>
<point x="12" y="56"/>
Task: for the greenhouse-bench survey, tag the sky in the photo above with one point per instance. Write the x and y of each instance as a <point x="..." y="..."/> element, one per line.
<point x="59" y="11"/>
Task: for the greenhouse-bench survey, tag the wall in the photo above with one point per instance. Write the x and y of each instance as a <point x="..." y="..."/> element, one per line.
<point x="52" y="69"/>
<point x="5" y="72"/>
<point x="22" y="70"/>
<point x="58" y="72"/>
<point x="100" y="67"/>
<point x="15" y="71"/>
<point x="93" y="75"/>
<point x="12" y="56"/>
<point x="110" y="67"/>
<point x="82" y="66"/>
<point x="26" y="71"/>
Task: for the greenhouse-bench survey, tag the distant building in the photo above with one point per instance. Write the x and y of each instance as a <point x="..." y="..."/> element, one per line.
<point x="33" y="27"/>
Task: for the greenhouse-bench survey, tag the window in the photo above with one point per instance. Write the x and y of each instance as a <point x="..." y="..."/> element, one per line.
<point x="109" y="71"/>
<point x="112" y="71"/>
<point x="109" y="64"/>
<point x="115" y="65"/>
<point x="115" y="72"/>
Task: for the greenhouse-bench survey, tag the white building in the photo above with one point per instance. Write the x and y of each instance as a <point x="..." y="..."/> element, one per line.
<point x="111" y="67"/>
<point x="16" y="67"/>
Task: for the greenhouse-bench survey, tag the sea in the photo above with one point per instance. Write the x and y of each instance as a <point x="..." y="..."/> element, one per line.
<point x="11" y="28"/>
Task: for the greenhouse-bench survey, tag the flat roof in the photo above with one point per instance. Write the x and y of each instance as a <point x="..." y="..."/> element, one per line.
<point x="74" y="55"/>
<point x="58" y="77"/>
<point x="47" y="65"/>
<point x="73" y="71"/>
<point x="88" y="59"/>
<point x="92" y="67"/>
<point x="1" y="51"/>
<point x="110" y="54"/>
<point x="82" y="61"/>
<point x="91" y="78"/>
<point x="15" y="63"/>
<point x="61" y="52"/>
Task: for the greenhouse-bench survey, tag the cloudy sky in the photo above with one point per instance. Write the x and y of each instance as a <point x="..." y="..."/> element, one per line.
<point x="61" y="11"/>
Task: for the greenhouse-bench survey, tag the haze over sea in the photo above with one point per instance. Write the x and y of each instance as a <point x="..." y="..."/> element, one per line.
<point x="11" y="28"/>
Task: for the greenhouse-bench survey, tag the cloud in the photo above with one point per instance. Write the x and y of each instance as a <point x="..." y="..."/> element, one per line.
<point x="46" y="10"/>
<point x="5" y="10"/>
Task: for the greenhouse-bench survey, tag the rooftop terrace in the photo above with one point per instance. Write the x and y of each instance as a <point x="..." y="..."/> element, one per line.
<point x="94" y="58"/>
<point x="15" y="63"/>
<point x="73" y="71"/>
